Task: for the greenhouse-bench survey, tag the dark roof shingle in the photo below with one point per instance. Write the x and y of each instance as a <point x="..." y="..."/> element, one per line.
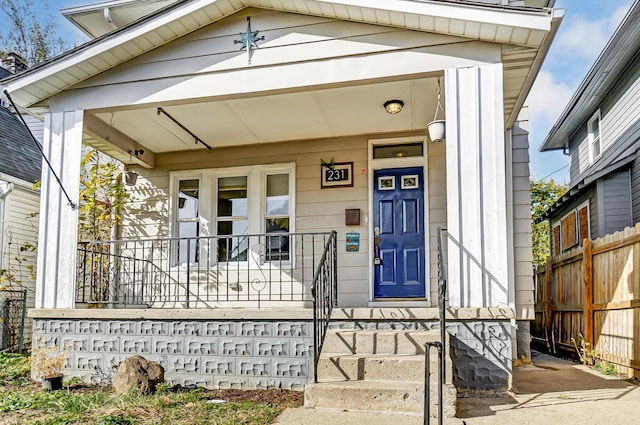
<point x="19" y="157"/>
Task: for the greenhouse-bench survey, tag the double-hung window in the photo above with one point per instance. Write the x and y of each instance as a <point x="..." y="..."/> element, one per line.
<point x="187" y="227"/>
<point x="232" y="220"/>
<point x="243" y="215"/>
<point x="595" y="139"/>
<point x="276" y="216"/>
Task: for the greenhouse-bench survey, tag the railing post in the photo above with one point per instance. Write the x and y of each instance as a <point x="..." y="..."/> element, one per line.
<point x="323" y="290"/>
<point x="427" y="381"/>
<point x="334" y="266"/>
<point x="442" y="298"/>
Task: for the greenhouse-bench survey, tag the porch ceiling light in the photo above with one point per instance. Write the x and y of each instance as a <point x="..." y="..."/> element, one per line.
<point x="393" y="106"/>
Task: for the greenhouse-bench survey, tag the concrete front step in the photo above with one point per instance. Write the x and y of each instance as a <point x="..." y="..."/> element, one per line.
<point x="378" y="371"/>
<point x="382" y="367"/>
<point x="378" y="396"/>
<point x="339" y="341"/>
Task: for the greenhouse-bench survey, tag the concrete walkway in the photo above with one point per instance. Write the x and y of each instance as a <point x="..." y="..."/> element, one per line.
<point x="550" y="390"/>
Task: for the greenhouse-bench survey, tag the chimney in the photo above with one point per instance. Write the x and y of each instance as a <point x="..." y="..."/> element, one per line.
<point x="14" y="63"/>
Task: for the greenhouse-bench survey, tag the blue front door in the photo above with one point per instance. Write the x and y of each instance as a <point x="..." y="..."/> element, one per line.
<point x="399" y="257"/>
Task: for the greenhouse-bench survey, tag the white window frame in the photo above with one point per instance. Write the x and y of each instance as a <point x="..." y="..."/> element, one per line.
<point x="174" y="185"/>
<point x="590" y="132"/>
<point x="256" y="205"/>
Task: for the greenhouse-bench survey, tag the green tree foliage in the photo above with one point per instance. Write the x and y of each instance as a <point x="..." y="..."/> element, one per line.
<point x="102" y="201"/>
<point x="543" y="194"/>
<point x="32" y="31"/>
<point x="102" y="197"/>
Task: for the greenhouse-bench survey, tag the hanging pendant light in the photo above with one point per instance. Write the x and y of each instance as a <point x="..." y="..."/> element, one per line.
<point x="436" y="128"/>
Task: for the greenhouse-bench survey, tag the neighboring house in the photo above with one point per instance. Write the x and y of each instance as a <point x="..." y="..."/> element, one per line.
<point x="20" y="163"/>
<point x="600" y="131"/>
<point x="226" y="109"/>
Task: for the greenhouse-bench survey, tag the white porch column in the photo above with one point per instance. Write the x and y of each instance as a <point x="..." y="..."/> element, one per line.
<point x="476" y="190"/>
<point x="57" y="241"/>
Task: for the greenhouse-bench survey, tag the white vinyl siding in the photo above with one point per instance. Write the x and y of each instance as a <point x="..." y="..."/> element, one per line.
<point x="437" y="180"/>
<point x="35" y="125"/>
<point x="20" y="227"/>
<point x="204" y="59"/>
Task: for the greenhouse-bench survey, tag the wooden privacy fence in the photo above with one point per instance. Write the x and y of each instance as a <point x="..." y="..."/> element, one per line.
<point x="594" y="291"/>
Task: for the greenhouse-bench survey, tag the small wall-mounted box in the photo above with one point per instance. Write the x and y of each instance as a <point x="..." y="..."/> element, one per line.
<point x="352" y="217"/>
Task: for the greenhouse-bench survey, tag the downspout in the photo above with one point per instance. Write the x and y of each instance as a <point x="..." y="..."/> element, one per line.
<point x="5" y="189"/>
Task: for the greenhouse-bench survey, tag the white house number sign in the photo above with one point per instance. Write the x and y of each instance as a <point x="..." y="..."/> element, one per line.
<point x="338" y="174"/>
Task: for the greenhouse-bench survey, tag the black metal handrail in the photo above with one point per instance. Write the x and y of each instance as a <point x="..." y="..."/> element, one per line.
<point x="324" y="290"/>
<point x="442" y="299"/>
<point x="199" y="272"/>
<point x="439" y="345"/>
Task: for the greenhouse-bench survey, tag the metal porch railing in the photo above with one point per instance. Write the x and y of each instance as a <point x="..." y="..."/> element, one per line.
<point x="325" y="297"/>
<point x="200" y="272"/>
<point x="439" y="345"/>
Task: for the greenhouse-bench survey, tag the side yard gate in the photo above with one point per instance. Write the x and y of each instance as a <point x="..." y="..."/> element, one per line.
<point x="593" y="291"/>
<point x="13" y="306"/>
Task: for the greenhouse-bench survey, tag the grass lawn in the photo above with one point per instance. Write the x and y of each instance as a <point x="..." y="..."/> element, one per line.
<point x="23" y="402"/>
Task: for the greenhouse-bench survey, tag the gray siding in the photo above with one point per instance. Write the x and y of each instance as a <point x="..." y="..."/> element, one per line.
<point x="614" y="195"/>
<point x="578" y="150"/>
<point x="620" y="115"/>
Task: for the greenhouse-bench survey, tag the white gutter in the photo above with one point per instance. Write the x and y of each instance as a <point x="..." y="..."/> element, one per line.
<point x="5" y="189"/>
<point x="92" y="7"/>
<point x="13" y="181"/>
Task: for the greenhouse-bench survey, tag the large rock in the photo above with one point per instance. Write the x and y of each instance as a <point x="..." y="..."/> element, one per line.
<point x="137" y="372"/>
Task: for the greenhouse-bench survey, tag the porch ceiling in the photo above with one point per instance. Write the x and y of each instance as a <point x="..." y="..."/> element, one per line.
<point x="314" y="114"/>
